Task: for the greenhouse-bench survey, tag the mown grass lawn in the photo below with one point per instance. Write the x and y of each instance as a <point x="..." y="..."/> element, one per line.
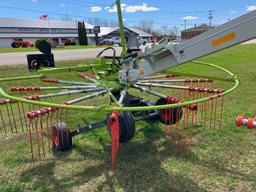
<point x="223" y="160"/>
<point x="32" y="49"/>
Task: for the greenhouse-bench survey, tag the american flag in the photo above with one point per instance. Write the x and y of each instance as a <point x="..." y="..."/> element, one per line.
<point x="43" y="17"/>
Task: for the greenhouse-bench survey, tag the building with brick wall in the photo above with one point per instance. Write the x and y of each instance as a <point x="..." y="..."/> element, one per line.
<point x="194" y="31"/>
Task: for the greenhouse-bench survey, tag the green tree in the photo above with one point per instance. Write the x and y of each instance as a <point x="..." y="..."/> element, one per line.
<point x="82" y="35"/>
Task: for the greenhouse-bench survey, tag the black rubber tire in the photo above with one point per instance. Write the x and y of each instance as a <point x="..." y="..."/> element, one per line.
<point x="14" y="44"/>
<point x="169" y="116"/>
<point x="61" y="137"/>
<point x="127" y="126"/>
<point x="35" y="64"/>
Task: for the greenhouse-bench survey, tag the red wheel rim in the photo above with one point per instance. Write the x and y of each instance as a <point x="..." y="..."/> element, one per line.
<point x="164" y="115"/>
<point x="55" y="139"/>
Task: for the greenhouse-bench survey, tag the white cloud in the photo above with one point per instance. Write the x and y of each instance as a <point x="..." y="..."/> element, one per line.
<point x="63" y="4"/>
<point x="231" y="11"/>
<point x="96" y="9"/>
<point x="190" y="18"/>
<point x="132" y="8"/>
<point x="144" y="8"/>
<point x="251" y="8"/>
<point x="114" y="8"/>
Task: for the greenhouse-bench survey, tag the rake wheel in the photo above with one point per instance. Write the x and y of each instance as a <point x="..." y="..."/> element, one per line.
<point x="169" y="116"/>
<point x="126" y="126"/>
<point x="62" y="139"/>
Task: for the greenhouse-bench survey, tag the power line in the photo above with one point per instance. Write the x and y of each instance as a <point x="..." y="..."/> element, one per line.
<point x="87" y="2"/>
<point x="61" y="14"/>
<point x="210" y="17"/>
<point x="42" y="11"/>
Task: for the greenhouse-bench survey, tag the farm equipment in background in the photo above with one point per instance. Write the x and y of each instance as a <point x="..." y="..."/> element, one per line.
<point x="128" y="88"/>
<point x="46" y="59"/>
<point x="69" y="42"/>
<point x="21" y="43"/>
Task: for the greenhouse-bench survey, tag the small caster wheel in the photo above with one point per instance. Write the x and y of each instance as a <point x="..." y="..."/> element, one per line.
<point x="62" y="138"/>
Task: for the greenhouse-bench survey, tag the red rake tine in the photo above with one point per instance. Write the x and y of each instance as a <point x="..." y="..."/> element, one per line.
<point x="21" y="121"/>
<point x="25" y="118"/>
<point x="66" y="117"/>
<point x="37" y="137"/>
<point x="172" y="120"/>
<point x="201" y="112"/>
<point x="221" y="111"/>
<point x="3" y="122"/>
<point x="48" y="132"/>
<point x="178" y="125"/>
<point x="188" y="128"/>
<point x="60" y="117"/>
<point x="215" y="111"/>
<point x="191" y="129"/>
<point x="13" y="117"/>
<point x="30" y="128"/>
<point x="184" y="127"/>
<point x="212" y="109"/>
<point x="42" y="133"/>
<point x="206" y="109"/>
<point x="9" y="117"/>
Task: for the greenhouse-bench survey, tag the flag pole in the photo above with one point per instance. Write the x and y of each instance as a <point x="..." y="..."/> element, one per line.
<point x="49" y="27"/>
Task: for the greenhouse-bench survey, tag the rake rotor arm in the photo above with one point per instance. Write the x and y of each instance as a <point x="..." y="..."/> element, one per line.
<point x="229" y="34"/>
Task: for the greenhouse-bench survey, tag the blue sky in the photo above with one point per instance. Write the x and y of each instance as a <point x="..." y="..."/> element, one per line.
<point x="163" y="12"/>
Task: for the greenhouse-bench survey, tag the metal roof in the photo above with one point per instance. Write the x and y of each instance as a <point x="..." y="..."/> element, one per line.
<point x="107" y="30"/>
<point x="33" y="23"/>
<point x="140" y="32"/>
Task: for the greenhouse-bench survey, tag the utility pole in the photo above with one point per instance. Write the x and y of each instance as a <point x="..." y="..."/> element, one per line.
<point x="185" y="24"/>
<point x="210" y="17"/>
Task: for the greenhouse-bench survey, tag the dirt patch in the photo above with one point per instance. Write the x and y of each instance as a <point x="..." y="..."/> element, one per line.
<point x="6" y="141"/>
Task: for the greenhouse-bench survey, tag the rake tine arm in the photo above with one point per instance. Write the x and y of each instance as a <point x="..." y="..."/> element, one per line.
<point x="177" y="81"/>
<point x="91" y="96"/>
<point x="199" y="89"/>
<point x="38" y="97"/>
<point x="158" y="77"/>
<point x="37" y="88"/>
<point x="154" y="93"/>
<point x="47" y="80"/>
<point x="88" y="77"/>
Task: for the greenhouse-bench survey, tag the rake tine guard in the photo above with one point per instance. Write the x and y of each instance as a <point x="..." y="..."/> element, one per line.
<point x="250" y="123"/>
<point x="40" y="112"/>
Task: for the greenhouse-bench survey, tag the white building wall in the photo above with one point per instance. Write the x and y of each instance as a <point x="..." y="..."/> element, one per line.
<point x="30" y="40"/>
<point x="91" y="41"/>
<point x="5" y="42"/>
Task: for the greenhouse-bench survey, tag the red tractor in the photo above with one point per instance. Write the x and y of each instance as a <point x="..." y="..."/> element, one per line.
<point x="21" y="43"/>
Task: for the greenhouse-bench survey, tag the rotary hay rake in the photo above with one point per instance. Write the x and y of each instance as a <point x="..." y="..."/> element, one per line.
<point x="48" y="113"/>
<point x="126" y="89"/>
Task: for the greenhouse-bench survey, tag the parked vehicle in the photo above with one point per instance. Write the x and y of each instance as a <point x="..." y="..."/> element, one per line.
<point x="106" y="42"/>
<point x="69" y="43"/>
<point x="142" y="41"/>
<point x="116" y="40"/>
<point x="17" y="44"/>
